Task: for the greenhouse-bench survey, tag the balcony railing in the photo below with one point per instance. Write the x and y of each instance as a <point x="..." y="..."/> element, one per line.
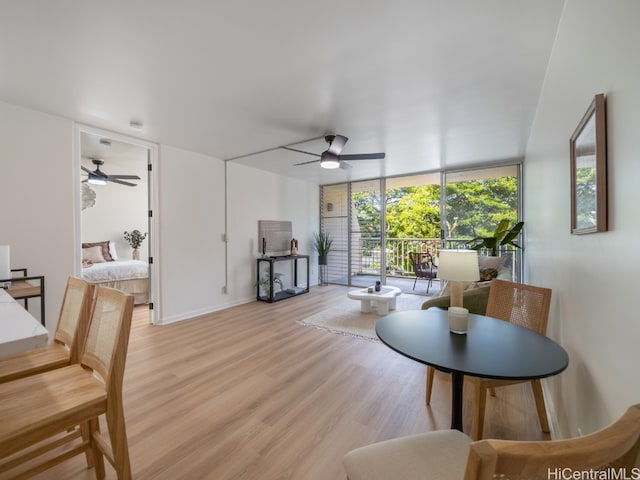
<point x="397" y="254"/>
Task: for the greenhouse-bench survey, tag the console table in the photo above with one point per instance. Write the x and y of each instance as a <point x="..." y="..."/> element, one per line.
<point x="266" y="283"/>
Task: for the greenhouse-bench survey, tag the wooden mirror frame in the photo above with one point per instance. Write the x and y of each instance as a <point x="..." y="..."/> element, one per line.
<point x="588" y="145"/>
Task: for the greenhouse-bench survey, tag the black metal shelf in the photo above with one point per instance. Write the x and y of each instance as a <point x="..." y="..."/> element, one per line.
<point x="270" y="296"/>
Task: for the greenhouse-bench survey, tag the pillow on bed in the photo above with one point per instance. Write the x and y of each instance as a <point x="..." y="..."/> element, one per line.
<point x="92" y="255"/>
<point x="104" y="246"/>
<point x="112" y="250"/>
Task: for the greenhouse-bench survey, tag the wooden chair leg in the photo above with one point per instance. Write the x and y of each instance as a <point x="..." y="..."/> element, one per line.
<point x="96" y="452"/>
<point x="430" y="374"/>
<point x="118" y="436"/>
<point x="542" y="411"/>
<point x="85" y="431"/>
<point x="479" y="405"/>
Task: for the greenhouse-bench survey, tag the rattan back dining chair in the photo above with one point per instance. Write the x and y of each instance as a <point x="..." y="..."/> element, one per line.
<point x="612" y="452"/>
<point x="58" y="411"/>
<point x="524" y="305"/>
<point x="68" y="339"/>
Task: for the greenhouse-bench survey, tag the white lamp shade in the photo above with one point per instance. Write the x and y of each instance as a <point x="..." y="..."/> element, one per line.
<point x="458" y="265"/>
<point x="5" y="265"/>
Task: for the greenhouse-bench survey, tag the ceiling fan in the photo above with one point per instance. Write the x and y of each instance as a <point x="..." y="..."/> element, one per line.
<point x="331" y="158"/>
<point x="98" y="177"/>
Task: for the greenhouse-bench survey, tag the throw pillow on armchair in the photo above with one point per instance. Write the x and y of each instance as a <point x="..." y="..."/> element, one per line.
<point x="474" y="299"/>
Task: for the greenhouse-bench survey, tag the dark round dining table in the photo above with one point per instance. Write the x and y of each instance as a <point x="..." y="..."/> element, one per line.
<point x="491" y="348"/>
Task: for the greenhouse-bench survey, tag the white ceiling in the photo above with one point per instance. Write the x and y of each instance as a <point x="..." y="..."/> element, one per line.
<point x="433" y="83"/>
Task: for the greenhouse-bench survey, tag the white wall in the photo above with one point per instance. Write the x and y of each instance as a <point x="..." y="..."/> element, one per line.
<point x="192" y="213"/>
<point x="594" y="277"/>
<point x="256" y="195"/>
<point x="37" y="218"/>
<point x="36" y="191"/>
<point x="191" y="226"/>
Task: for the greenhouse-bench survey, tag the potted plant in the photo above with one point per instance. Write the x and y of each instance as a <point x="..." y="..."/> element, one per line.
<point x="502" y="236"/>
<point x="135" y="239"/>
<point x="322" y="244"/>
<point x="265" y="284"/>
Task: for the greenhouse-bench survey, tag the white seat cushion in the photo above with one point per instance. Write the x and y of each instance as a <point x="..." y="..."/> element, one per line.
<point x="438" y="455"/>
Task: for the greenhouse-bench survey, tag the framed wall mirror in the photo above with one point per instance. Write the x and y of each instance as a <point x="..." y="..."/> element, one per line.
<point x="588" y="151"/>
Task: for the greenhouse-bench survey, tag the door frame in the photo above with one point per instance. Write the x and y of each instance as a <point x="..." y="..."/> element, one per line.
<point x="152" y="193"/>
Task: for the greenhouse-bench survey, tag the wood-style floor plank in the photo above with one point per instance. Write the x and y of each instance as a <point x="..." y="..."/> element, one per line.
<point x="248" y="393"/>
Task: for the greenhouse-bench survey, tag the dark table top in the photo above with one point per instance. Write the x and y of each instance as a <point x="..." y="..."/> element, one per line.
<point x="491" y="348"/>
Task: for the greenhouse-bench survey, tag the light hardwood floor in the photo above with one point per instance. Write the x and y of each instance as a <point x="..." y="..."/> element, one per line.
<point x="248" y="393"/>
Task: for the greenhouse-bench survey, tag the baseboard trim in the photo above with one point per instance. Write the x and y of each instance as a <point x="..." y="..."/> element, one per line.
<point x="203" y="311"/>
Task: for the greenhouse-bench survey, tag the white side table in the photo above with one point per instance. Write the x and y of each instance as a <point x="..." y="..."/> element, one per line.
<point x="382" y="301"/>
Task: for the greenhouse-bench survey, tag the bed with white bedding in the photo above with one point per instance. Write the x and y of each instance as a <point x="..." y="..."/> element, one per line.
<point x="130" y="276"/>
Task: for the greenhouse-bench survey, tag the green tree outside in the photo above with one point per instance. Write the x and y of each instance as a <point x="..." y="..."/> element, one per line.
<point x="474" y="208"/>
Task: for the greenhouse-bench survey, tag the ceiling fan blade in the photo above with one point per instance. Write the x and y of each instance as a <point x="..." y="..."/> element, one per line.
<point x="299" y="151"/>
<point x="337" y="144"/>
<point x="85" y="169"/>
<point x="124" y="177"/>
<point x="306" y="163"/>
<point x="345" y="166"/>
<point x="363" y="156"/>
<point x="121" y="182"/>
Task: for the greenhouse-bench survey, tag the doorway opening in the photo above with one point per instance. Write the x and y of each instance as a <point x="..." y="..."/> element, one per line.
<point x="114" y="222"/>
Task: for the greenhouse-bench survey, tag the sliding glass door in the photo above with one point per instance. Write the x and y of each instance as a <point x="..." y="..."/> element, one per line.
<point x="334" y="220"/>
<point x="412" y="220"/>
<point x="476" y="201"/>
<point x="367" y="248"/>
<point x="376" y="223"/>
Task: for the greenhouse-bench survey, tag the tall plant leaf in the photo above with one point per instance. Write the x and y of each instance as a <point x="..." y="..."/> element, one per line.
<point x="509" y="238"/>
<point x="502" y="236"/>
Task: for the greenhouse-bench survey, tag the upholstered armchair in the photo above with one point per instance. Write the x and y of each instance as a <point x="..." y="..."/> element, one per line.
<point x="474" y="300"/>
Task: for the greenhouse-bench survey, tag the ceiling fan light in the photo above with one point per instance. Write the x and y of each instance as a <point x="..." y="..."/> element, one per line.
<point x="94" y="180"/>
<point x="329" y="160"/>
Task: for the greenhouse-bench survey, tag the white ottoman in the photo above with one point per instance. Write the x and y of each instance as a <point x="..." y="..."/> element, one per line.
<point x="383" y="301"/>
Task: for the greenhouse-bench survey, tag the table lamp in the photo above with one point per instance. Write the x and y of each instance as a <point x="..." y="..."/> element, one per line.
<point x="458" y="266"/>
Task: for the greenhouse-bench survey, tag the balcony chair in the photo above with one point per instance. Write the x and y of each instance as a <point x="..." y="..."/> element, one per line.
<point x="423" y="268"/>
<point x="68" y="340"/>
<point x="524" y="305"/>
<point x="44" y="412"/>
<point x="442" y="454"/>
